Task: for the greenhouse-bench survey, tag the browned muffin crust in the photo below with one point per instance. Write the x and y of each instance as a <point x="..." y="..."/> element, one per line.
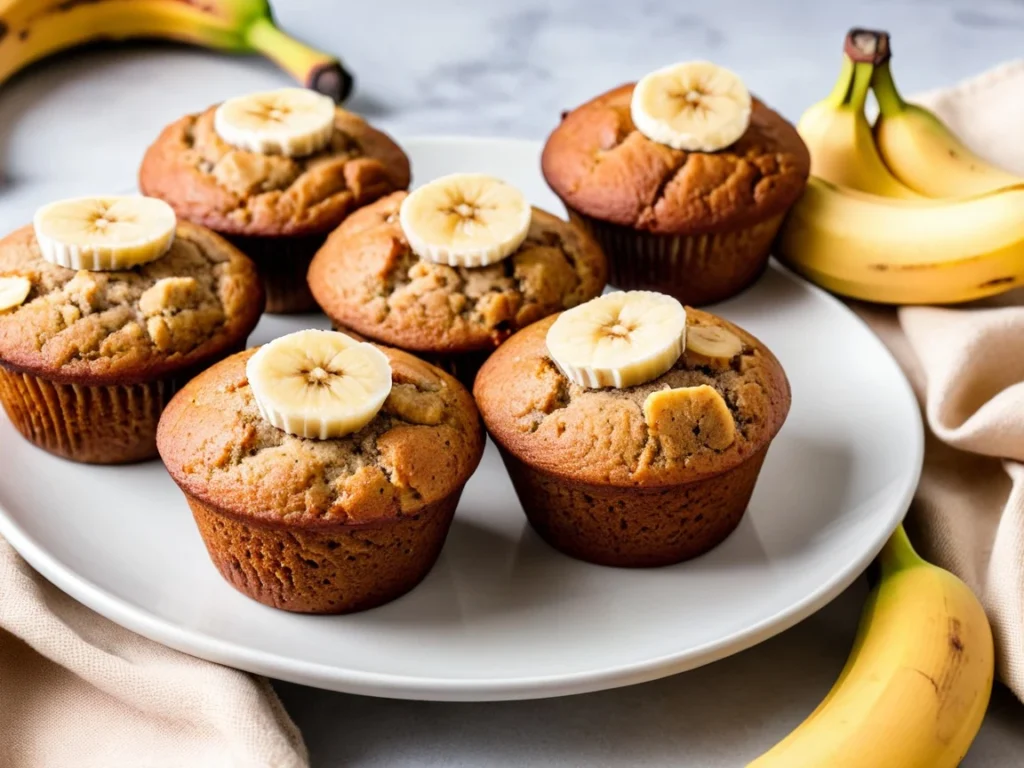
<point x="238" y="192"/>
<point x="367" y="278"/>
<point x="600" y="436"/>
<point x="197" y="302"/>
<point x="599" y="164"/>
<point x="422" y="446"/>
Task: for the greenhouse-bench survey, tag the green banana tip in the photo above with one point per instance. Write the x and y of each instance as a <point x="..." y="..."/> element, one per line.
<point x="889" y="100"/>
<point x="870" y="46"/>
<point x="315" y="69"/>
<point x="898" y="553"/>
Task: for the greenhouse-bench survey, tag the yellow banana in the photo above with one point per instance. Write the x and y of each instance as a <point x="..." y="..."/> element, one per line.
<point x="33" y="29"/>
<point x="905" y="251"/>
<point x="838" y="134"/>
<point x="923" y="153"/>
<point x="917" y="683"/>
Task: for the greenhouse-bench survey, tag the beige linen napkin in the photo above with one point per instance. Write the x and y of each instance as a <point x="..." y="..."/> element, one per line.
<point x="78" y="690"/>
<point x="967" y="367"/>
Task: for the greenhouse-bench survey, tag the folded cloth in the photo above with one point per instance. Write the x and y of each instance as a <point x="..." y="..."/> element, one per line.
<point x="78" y="690"/>
<point x="966" y="365"/>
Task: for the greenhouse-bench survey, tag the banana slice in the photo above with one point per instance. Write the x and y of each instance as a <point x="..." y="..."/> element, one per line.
<point x="13" y="291"/>
<point x="288" y="121"/>
<point x="691" y="417"/>
<point x="696" y="106"/>
<point x="712" y="346"/>
<point x="319" y="384"/>
<point x="104" y="233"/>
<point x="618" y="340"/>
<point x="465" y="220"/>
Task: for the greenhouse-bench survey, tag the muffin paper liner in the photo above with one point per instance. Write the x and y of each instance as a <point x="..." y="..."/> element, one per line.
<point x="282" y="263"/>
<point x="696" y="269"/>
<point x="463" y="366"/>
<point x="634" y="527"/>
<point x="324" y="567"/>
<point x="113" y="424"/>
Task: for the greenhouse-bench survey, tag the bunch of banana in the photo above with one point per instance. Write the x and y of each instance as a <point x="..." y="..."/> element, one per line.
<point x="923" y="153"/>
<point x="838" y="134"/>
<point x="903" y="214"/>
<point x="33" y="29"/>
<point x="917" y="683"/>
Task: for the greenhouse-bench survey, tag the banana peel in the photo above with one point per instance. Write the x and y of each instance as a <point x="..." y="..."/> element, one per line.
<point x="918" y="680"/>
<point x="31" y="30"/>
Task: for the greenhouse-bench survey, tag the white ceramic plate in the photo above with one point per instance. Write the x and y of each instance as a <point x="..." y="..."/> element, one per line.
<point x="502" y="616"/>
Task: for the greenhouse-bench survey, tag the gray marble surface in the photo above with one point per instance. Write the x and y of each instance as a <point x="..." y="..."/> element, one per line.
<point x="79" y="125"/>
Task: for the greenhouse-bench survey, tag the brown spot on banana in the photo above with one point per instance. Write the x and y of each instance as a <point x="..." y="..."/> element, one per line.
<point x="923" y="267"/>
<point x="929" y="678"/>
<point x="67" y="5"/>
<point x="3" y="30"/>
<point x="998" y="281"/>
<point x="955" y="643"/>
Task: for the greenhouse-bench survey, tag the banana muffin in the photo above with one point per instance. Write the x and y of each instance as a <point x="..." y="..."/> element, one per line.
<point x="453" y="311"/>
<point x="633" y="430"/>
<point x="682" y="178"/>
<point x="273" y="172"/>
<point x="89" y="358"/>
<point x="323" y="472"/>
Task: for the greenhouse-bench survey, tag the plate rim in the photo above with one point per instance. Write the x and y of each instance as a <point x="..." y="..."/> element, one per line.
<point x="401" y="686"/>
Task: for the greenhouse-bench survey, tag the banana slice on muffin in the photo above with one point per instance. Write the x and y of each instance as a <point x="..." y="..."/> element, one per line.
<point x="712" y="346"/>
<point x="618" y="340"/>
<point x="465" y="220"/>
<point x="319" y="384"/>
<point x="288" y="121"/>
<point x="13" y="291"/>
<point x="694" y="106"/>
<point x="104" y="233"/>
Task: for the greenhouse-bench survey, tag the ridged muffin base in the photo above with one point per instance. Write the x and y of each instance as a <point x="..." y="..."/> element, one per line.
<point x="282" y="263"/>
<point x="325" y="568"/>
<point x="113" y="424"/>
<point x="696" y="269"/>
<point x="634" y="527"/>
<point x="463" y="366"/>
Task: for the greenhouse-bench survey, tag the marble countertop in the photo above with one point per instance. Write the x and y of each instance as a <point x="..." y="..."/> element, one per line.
<point x="508" y="68"/>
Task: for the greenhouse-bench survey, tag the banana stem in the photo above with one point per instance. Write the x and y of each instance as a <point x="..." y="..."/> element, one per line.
<point x="898" y="553"/>
<point x="841" y="90"/>
<point x="851" y="89"/>
<point x="314" y="69"/>
<point x="868" y="45"/>
<point x="889" y="100"/>
<point x="862" y="72"/>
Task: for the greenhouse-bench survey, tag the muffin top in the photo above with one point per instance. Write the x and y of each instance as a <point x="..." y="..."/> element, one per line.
<point x="601" y="436"/>
<point x="602" y="166"/>
<point x="367" y="278"/>
<point x="239" y="192"/>
<point x="421" y="446"/>
<point x="202" y="298"/>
